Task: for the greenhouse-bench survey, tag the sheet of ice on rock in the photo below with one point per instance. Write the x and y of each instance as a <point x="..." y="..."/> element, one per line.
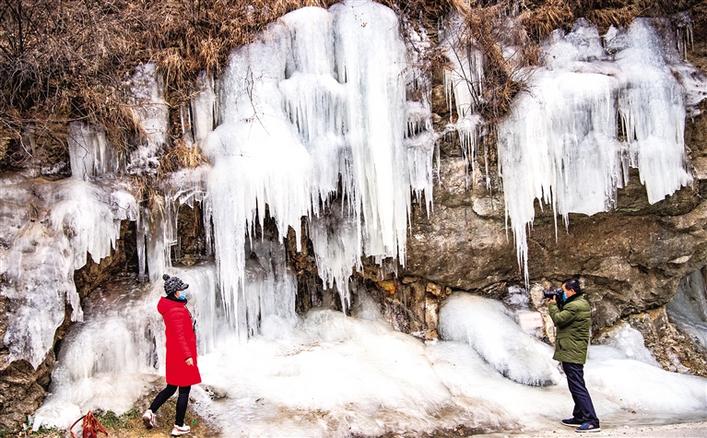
<point x="591" y="113"/>
<point x="689" y="307"/>
<point x="52" y="229"/>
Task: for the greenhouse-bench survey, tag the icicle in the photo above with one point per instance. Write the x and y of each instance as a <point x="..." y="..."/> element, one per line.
<point x="89" y="153"/>
<point x="337" y="250"/>
<point x="203" y="107"/>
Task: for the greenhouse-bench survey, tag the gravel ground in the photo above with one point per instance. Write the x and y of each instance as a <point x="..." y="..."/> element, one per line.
<point x="681" y="430"/>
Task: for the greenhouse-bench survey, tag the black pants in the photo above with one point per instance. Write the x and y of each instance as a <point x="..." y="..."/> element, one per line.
<point x="583" y="407"/>
<point x="182" y="401"/>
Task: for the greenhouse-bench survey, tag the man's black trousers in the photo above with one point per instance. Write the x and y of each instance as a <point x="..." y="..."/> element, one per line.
<point x="583" y="407"/>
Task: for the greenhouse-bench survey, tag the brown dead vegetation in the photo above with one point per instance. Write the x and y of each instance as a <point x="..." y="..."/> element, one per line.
<point x="540" y="17"/>
<point x="68" y="60"/>
<point x="180" y="156"/>
<point x="487" y="26"/>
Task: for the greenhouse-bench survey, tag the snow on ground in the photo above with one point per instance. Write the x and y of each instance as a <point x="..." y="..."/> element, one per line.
<point x="327" y="374"/>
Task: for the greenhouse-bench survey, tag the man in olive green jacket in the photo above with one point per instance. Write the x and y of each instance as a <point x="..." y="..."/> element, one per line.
<point x="572" y="316"/>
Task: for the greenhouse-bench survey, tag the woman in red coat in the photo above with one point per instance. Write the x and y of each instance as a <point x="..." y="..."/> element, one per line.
<point x="182" y="369"/>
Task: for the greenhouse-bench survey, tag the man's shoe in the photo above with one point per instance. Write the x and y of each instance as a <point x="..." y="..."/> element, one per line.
<point x="149" y="419"/>
<point x="180" y="430"/>
<point x="571" y="422"/>
<point x="588" y="427"/>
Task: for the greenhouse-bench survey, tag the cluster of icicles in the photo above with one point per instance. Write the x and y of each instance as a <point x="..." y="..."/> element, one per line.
<point x="598" y="106"/>
<point x="312" y="120"/>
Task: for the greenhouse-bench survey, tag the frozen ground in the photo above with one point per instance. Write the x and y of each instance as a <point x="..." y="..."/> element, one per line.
<point x="327" y="374"/>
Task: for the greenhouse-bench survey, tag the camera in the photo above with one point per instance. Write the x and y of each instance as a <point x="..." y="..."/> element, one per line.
<point x="553" y="293"/>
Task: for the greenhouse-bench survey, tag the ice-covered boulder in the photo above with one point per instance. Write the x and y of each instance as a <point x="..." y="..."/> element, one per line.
<point x="488" y="327"/>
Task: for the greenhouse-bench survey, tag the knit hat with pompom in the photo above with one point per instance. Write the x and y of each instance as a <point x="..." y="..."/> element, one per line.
<point x="173" y="284"/>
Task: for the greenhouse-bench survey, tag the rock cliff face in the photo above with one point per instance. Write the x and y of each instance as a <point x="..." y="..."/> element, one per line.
<point x="631" y="259"/>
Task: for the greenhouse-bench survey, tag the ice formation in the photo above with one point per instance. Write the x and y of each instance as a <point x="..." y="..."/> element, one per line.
<point x="630" y="343"/>
<point x="203" y="109"/>
<point x="310" y="111"/>
<point x="393" y="381"/>
<point x="121" y="341"/>
<point x="336" y="243"/>
<point x="90" y="154"/>
<point x="463" y="85"/>
<point x="52" y="228"/>
<point x="487" y="326"/>
<point x="152" y="113"/>
<point x="689" y="307"/>
<point x="561" y="142"/>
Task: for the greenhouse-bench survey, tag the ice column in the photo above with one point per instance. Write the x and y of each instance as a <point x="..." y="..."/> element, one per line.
<point x="313" y="110"/>
<point x="652" y="111"/>
<point x="203" y="107"/>
<point x="370" y="59"/>
<point x="258" y="159"/>
<point x="152" y="113"/>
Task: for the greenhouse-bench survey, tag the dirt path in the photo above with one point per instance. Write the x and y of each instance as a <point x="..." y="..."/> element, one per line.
<point x="682" y="430"/>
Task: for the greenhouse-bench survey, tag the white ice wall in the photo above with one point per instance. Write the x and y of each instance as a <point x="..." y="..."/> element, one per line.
<point x="316" y="106"/>
<point x="58" y="226"/>
<point x="597" y="107"/>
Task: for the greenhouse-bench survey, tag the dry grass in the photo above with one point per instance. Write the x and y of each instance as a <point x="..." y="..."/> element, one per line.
<point x="546" y="17"/>
<point x="67" y="60"/>
<point x="542" y="16"/>
<point x="181" y="155"/>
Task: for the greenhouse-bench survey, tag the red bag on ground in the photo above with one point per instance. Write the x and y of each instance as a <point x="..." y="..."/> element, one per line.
<point x="90" y="427"/>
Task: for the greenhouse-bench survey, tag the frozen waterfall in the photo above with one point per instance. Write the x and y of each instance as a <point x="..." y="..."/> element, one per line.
<point x="562" y="144"/>
<point x="53" y="228"/>
<point x="312" y="110"/>
<point x="323" y="124"/>
<point x="598" y="106"/>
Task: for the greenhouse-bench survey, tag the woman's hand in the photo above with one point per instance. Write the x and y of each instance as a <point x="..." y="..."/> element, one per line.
<point x="189" y="362"/>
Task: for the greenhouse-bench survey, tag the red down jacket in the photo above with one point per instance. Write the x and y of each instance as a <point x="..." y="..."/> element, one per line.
<point x="181" y="343"/>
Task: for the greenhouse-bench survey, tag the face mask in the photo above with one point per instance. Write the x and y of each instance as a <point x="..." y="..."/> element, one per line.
<point x="564" y="296"/>
<point x="182" y="297"/>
